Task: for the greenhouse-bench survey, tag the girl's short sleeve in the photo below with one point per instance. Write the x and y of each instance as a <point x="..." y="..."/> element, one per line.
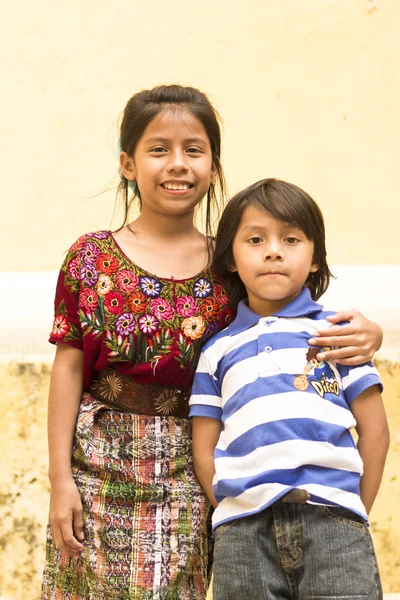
<point x="66" y="326"/>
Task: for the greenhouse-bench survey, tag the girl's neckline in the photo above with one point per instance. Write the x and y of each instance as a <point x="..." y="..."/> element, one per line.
<point x="153" y="275"/>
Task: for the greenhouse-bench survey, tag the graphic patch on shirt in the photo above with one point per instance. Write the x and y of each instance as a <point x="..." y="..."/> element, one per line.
<point x="317" y="373"/>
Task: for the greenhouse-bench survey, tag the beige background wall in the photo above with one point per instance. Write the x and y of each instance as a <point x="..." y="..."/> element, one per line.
<point x="308" y="89"/>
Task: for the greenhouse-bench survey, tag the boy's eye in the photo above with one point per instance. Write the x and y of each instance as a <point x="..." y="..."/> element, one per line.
<point x="255" y="239"/>
<point x="158" y="149"/>
<point x="291" y="240"/>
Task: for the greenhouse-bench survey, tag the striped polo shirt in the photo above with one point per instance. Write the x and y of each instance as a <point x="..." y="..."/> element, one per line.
<point x="286" y="417"/>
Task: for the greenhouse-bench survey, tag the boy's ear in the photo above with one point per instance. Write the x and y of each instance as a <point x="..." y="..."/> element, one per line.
<point x="233" y="268"/>
<point x="127" y="166"/>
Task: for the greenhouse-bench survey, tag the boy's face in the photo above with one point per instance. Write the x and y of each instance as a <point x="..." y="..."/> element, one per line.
<point x="272" y="258"/>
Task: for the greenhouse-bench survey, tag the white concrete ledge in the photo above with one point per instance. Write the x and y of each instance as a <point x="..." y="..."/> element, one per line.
<point x="26" y="306"/>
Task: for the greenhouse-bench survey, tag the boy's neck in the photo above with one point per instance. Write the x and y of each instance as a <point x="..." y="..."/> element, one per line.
<point x="266" y="308"/>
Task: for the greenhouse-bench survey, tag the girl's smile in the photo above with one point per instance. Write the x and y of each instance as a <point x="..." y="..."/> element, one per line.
<point x="172" y="162"/>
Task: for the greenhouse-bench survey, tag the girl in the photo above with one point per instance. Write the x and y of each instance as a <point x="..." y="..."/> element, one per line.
<point x="271" y="423"/>
<point x="128" y="518"/>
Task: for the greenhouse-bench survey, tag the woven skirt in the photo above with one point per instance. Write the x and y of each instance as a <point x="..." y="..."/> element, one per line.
<point x="146" y="519"/>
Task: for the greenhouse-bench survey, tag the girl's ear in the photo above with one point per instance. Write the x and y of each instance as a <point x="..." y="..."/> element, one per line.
<point x="214" y="174"/>
<point x="314" y="268"/>
<point x="127" y="166"/>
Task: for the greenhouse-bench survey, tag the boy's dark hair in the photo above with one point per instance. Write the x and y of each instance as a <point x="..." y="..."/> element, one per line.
<point x="142" y="108"/>
<point x="286" y="202"/>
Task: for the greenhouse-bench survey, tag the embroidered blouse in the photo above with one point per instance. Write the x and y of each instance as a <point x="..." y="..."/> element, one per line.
<point x="144" y="326"/>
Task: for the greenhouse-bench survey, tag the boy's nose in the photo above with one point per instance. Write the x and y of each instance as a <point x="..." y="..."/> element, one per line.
<point x="273" y="251"/>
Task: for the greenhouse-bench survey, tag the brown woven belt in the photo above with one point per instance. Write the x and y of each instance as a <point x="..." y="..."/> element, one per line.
<point x="123" y="393"/>
<point x="296" y="496"/>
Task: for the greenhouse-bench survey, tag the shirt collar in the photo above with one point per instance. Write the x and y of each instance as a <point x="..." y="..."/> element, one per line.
<point x="300" y="307"/>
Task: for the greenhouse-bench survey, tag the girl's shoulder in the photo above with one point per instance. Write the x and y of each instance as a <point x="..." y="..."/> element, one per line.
<point x="94" y="237"/>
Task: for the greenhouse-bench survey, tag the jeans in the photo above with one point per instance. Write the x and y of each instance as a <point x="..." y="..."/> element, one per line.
<point x="295" y="551"/>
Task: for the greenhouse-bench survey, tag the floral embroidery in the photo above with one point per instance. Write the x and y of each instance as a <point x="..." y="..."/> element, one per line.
<point x="106" y="263"/>
<point x="89" y="299"/>
<point x="89" y="274"/>
<point x="202" y="288"/>
<point x="151" y="287"/>
<point x="221" y="294"/>
<point x="209" y="308"/>
<point x="186" y="306"/>
<point x="140" y="319"/>
<point x="125" y="324"/>
<point x="162" y="309"/>
<point x="60" y="327"/>
<point x="89" y="253"/>
<point x="166" y="402"/>
<point x="137" y="302"/>
<point x="148" y="324"/>
<point x="126" y="280"/>
<point x="114" y="301"/>
<point x="193" y="327"/>
<point x="104" y="284"/>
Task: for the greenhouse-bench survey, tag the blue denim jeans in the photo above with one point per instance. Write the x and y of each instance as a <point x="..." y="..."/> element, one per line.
<point x="295" y="551"/>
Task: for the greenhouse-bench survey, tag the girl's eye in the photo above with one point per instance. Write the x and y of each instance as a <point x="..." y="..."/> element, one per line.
<point x="194" y="151"/>
<point x="291" y="240"/>
<point x="255" y="240"/>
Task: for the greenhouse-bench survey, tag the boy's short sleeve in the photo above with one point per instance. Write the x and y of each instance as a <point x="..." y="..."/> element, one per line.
<point x="205" y="400"/>
<point x="66" y="326"/>
<point x="357" y="379"/>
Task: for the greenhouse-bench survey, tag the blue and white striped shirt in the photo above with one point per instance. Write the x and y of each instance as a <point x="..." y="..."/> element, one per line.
<point x="285" y="417"/>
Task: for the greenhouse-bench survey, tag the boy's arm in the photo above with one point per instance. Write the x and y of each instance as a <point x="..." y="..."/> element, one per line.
<point x="373" y="441"/>
<point x="206" y="432"/>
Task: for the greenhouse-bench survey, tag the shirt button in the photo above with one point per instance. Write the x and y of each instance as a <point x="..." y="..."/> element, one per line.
<point x="267" y="349"/>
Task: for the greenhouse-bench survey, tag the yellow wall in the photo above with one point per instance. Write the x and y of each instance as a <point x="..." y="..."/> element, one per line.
<point x="308" y="90"/>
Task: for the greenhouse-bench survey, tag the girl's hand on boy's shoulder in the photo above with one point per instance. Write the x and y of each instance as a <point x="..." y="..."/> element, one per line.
<point x="356" y="342"/>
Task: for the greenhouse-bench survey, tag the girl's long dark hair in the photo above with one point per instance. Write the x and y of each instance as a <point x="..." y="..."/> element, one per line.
<point x="141" y="109"/>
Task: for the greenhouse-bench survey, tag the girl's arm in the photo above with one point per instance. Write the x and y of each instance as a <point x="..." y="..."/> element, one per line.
<point x="373" y="441"/>
<point x="205" y="437"/>
<point x="358" y="341"/>
<point x="64" y="398"/>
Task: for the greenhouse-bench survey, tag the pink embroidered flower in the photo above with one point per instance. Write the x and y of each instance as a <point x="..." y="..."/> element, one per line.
<point x="89" y="299"/>
<point x="221" y="294"/>
<point x="161" y="308"/>
<point x="60" y="327"/>
<point x="186" y="306"/>
<point x="114" y="301"/>
<point x="193" y="327"/>
<point x="89" y="252"/>
<point x="126" y="280"/>
<point x="106" y="263"/>
<point x="74" y="267"/>
<point x="104" y="284"/>
<point x="148" y="324"/>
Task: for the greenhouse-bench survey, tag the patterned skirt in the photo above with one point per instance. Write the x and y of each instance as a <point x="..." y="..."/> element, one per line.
<point x="146" y="518"/>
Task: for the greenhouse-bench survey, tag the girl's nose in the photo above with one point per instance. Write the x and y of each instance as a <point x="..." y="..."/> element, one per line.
<point x="178" y="162"/>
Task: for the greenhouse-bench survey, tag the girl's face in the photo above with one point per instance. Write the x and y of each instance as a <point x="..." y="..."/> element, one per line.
<point x="172" y="164"/>
<point x="272" y="258"/>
